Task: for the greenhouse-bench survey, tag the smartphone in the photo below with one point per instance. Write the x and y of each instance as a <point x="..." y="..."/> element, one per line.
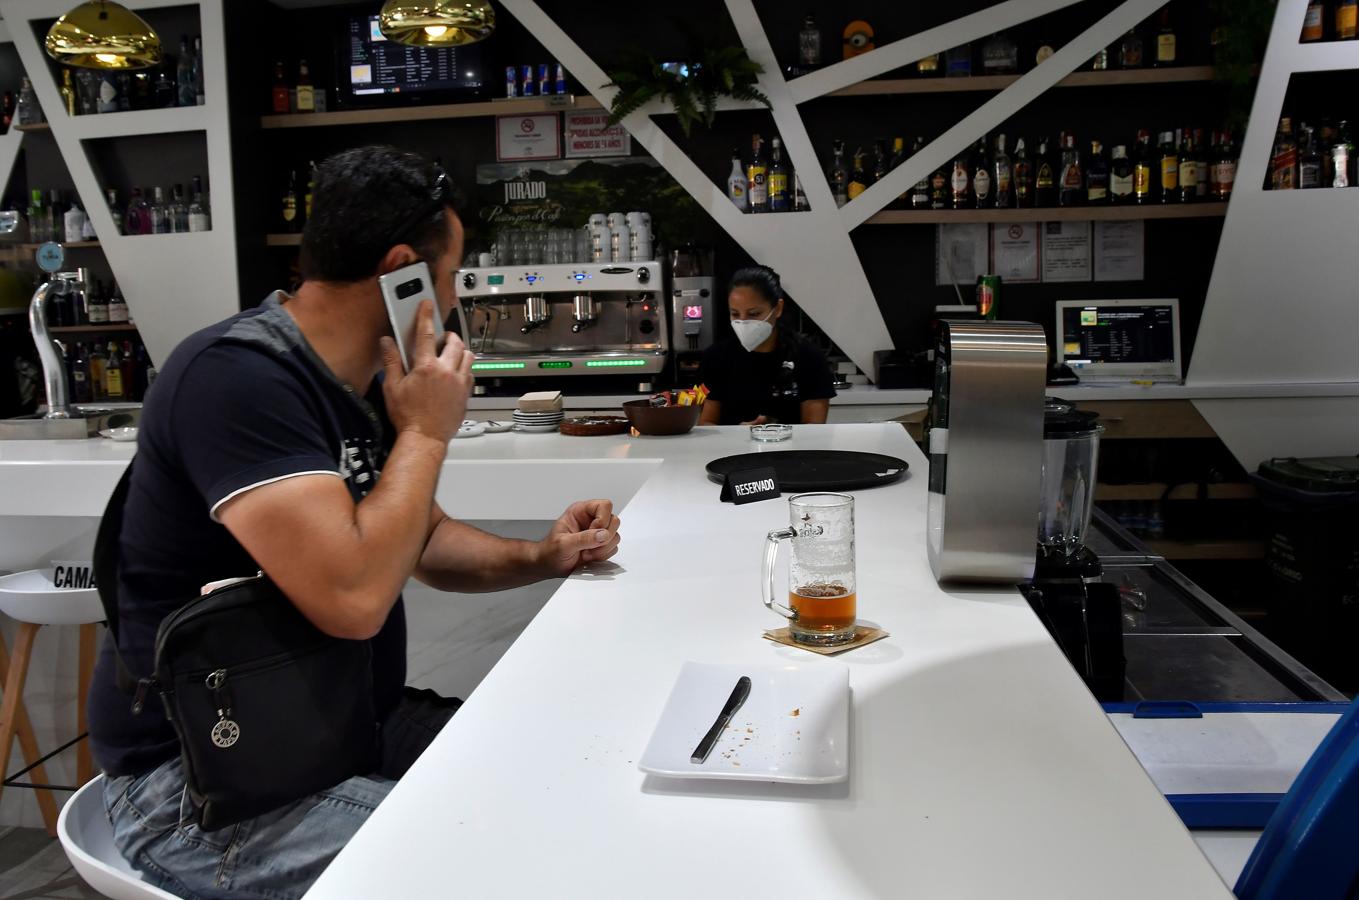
<point x="402" y="291"/>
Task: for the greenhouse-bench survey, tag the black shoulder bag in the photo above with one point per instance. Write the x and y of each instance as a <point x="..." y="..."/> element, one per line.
<point x="268" y="708"/>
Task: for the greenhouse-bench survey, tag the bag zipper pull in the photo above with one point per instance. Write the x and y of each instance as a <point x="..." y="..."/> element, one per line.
<point x="226" y="732"/>
<point x="139" y="701"/>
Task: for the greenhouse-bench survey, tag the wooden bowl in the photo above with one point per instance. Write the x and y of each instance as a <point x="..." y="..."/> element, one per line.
<point x="661" y="420"/>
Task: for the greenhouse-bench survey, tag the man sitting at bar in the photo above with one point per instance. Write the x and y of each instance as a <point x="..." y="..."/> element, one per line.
<point x="261" y="448"/>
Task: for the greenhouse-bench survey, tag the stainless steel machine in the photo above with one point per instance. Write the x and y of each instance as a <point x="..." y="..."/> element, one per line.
<point x="693" y="302"/>
<point x="985" y="448"/>
<point x="565" y="319"/>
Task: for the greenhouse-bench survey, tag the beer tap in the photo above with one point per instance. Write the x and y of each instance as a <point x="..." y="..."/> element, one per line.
<point x="49" y="351"/>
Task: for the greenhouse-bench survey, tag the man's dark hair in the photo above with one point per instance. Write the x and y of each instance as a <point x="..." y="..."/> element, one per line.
<point x="367" y="200"/>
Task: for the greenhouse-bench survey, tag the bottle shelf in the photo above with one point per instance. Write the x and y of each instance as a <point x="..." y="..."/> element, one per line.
<point x="74" y="245"/>
<point x="516" y="106"/>
<point x="283" y="240"/>
<point x="944" y="85"/>
<point x="1050" y="214"/>
<point x="1224" y="491"/>
<point x="91" y="329"/>
<point x="41" y="126"/>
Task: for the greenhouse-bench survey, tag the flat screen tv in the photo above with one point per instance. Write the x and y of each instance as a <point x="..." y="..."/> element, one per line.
<point x="374" y="71"/>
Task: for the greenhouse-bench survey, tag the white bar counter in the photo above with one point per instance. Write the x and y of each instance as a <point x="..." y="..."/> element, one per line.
<point x="980" y="766"/>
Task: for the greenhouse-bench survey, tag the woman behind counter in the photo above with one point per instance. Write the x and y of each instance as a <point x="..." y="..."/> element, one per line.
<point x="767" y="373"/>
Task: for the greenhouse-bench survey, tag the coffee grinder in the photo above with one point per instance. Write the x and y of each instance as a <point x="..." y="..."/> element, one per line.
<point x="692" y="304"/>
<point x="1083" y="613"/>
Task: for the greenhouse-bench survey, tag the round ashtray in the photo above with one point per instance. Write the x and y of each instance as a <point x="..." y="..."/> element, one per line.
<point x="770" y="433"/>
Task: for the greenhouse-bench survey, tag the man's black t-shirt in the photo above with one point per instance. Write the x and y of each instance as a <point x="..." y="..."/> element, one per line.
<point x="238" y="405"/>
<point x="772" y="384"/>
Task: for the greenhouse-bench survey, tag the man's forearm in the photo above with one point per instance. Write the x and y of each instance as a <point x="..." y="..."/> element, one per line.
<point x="392" y="522"/>
<point x="460" y="557"/>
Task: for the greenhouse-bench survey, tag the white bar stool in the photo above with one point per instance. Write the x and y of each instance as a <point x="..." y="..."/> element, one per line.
<point x="31" y="599"/>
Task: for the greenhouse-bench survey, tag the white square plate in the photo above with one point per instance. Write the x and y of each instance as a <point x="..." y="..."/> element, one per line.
<point x="794" y="726"/>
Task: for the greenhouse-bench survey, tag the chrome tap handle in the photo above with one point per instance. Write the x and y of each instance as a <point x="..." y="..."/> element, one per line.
<point x="53" y="369"/>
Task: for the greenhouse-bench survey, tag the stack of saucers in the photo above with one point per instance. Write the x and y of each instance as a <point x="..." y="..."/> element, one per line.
<point x="531" y="422"/>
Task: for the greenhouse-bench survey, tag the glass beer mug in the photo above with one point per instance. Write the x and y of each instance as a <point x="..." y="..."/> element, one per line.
<point x="821" y="592"/>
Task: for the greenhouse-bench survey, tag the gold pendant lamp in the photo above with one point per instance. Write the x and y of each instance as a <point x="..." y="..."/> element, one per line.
<point x="437" y="23"/>
<point x="103" y="35"/>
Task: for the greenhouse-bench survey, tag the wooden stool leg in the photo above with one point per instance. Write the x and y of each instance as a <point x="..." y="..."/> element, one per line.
<point x="14" y="721"/>
<point x="84" y="759"/>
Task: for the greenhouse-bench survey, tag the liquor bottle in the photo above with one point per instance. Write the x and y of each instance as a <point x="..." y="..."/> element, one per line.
<point x="1121" y="176"/>
<point x="184" y="89"/>
<point x="178" y="212"/>
<point x="1096" y="176"/>
<point x="7" y="112"/>
<point x="164" y="92"/>
<point x="160" y="213"/>
<point x="80" y="375"/>
<point x="73" y="224"/>
<point x="983" y="189"/>
<point x="1002" y="177"/>
<point x="920" y="193"/>
<point x="68" y="92"/>
<point x="1342" y="156"/>
<point x="809" y="46"/>
<point x="1326" y="138"/>
<point x="1044" y="51"/>
<point x="903" y="200"/>
<point x="1204" y="155"/>
<point x="124" y="92"/>
<point x="117" y="305"/>
<point x="930" y="66"/>
<point x="306" y="93"/>
<point x="311" y="188"/>
<point x="129" y="370"/>
<point x="28" y="110"/>
<point x="1284" y="163"/>
<point x="1169" y="165"/>
<point x="1023" y="176"/>
<point x="1144" y="168"/>
<point x="37" y="227"/>
<point x="141" y="372"/>
<point x="1130" y="51"/>
<point x="290" y="211"/>
<point x="115" y="211"/>
<point x="960" y="182"/>
<point x="1314" y="22"/>
<point x="200" y="209"/>
<point x="132" y="223"/>
<point x="1223" y="174"/>
<point x="859" y="178"/>
<point x="1045" y="178"/>
<point x="738" y="187"/>
<point x="1309" y="160"/>
<point x="881" y="163"/>
<point x="958" y="62"/>
<point x="1100" y="61"/>
<point x="838" y="176"/>
<point x="940" y="192"/>
<point x="800" y="203"/>
<point x="1189" y="167"/>
<point x="757" y="175"/>
<point x="97" y="359"/>
<point x="1346" y="20"/>
<point x="1000" y="55"/>
<point x="97" y="305"/>
<point x="1071" y="186"/>
<point x="282" y="99"/>
<point x="113" y="373"/>
<point x="1166" y="50"/>
<point x="56" y="215"/>
<point x="199" y="94"/>
<point x="780" y="189"/>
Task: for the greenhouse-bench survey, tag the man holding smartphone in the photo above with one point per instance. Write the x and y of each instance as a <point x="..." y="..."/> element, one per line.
<point x="292" y="439"/>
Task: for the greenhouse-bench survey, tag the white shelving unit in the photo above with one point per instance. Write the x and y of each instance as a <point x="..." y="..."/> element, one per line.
<point x="174" y="283"/>
<point x="813" y="251"/>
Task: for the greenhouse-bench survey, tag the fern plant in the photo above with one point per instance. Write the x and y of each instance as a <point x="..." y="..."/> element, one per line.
<point x="692" y="88"/>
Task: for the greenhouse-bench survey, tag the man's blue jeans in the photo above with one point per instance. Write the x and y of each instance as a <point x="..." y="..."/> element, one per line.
<point x="277" y="855"/>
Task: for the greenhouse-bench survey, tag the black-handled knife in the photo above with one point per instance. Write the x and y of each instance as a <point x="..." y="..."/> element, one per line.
<point x="738" y="696"/>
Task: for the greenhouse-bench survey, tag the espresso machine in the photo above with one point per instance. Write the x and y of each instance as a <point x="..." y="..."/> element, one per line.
<point x="1083" y="613"/>
<point x="535" y="321"/>
<point x="693" y="303"/>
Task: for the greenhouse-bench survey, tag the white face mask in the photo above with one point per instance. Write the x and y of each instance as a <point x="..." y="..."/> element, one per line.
<point x="753" y="332"/>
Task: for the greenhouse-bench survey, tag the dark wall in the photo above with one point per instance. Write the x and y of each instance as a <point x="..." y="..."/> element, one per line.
<point x="899" y="260"/>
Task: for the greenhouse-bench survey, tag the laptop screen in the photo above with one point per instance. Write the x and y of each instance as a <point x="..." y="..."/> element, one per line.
<point x="1095" y="334"/>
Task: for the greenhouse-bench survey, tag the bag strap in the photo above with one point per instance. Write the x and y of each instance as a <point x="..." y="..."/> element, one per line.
<point x="106" y="571"/>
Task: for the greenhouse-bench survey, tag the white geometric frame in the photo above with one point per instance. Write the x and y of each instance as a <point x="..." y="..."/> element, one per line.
<point x="812" y="250"/>
<point x="174" y="283"/>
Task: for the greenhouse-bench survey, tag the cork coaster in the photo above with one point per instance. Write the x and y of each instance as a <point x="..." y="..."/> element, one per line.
<point x="863" y="636"/>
